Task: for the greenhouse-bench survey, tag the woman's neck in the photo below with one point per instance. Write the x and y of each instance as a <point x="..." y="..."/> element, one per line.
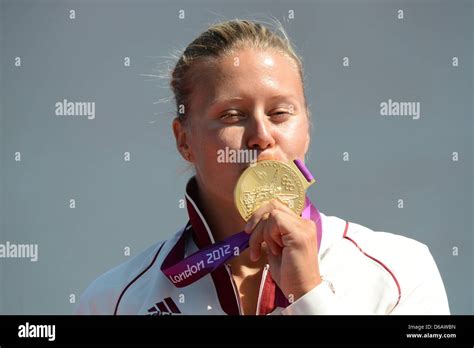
<point x="222" y="217"/>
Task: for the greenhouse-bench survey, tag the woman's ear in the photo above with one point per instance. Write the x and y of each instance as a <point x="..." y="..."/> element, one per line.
<point x="308" y="141"/>
<point x="180" y="134"/>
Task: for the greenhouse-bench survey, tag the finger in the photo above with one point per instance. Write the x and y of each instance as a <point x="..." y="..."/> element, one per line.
<point x="265" y="248"/>
<point x="284" y="228"/>
<point x="264" y="209"/>
<point x="255" y="241"/>
<point x="262" y="233"/>
<point x="267" y="231"/>
<point x="274" y="226"/>
<point x="257" y="215"/>
<point x="270" y="236"/>
<point x="282" y="206"/>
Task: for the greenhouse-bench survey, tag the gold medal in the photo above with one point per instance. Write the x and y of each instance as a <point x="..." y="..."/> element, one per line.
<point x="267" y="180"/>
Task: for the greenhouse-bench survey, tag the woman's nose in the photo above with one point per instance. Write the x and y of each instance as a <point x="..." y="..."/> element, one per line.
<point x="260" y="133"/>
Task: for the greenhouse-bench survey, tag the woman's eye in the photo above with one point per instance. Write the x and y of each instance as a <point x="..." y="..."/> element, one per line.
<point x="231" y="118"/>
<point x="281" y="114"/>
<point x="278" y="116"/>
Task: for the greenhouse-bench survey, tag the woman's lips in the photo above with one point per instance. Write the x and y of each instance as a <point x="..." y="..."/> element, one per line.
<point x="262" y="158"/>
<point x="265" y="158"/>
<point x="270" y="157"/>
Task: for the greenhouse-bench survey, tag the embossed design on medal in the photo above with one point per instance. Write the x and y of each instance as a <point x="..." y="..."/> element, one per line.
<point x="267" y="180"/>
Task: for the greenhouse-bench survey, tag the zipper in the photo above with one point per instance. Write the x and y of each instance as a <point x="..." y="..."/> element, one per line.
<point x="234" y="286"/>
<point x="262" y="285"/>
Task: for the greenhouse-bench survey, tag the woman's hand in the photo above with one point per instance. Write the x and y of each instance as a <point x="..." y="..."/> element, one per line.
<point x="290" y="243"/>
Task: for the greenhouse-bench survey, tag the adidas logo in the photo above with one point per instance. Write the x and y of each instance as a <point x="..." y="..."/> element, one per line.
<point x="166" y="307"/>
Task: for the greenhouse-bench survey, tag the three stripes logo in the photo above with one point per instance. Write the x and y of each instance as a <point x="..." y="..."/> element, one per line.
<point x="165" y="307"/>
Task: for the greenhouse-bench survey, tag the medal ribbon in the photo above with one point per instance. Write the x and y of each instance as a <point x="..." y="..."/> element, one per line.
<point x="206" y="260"/>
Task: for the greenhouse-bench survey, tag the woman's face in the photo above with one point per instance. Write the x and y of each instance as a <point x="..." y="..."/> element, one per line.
<point x="250" y="100"/>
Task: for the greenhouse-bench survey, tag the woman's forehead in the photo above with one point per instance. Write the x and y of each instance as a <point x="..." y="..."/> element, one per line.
<point x="252" y="62"/>
<point x="246" y="72"/>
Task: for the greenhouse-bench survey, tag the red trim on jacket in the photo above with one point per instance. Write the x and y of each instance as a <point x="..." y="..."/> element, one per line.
<point x="379" y="262"/>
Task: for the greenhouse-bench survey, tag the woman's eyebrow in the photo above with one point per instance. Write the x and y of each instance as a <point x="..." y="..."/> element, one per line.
<point x="226" y="100"/>
<point x="284" y="96"/>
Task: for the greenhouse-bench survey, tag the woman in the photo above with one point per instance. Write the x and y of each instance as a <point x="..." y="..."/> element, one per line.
<point x="239" y="86"/>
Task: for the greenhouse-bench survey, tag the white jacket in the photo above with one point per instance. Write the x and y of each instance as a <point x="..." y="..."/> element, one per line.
<point x="365" y="272"/>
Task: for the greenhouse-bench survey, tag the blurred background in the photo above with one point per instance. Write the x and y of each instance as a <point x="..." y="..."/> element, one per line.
<point x="92" y="192"/>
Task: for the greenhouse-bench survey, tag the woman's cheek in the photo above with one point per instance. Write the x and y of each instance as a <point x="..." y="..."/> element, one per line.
<point x="230" y="137"/>
<point x="293" y="138"/>
<point x="208" y="144"/>
<point x="214" y="150"/>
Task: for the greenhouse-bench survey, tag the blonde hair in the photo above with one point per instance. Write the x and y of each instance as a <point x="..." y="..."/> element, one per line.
<point x="220" y="40"/>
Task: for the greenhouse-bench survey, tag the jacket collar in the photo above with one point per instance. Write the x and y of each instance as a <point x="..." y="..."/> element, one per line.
<point x="202" y="234"/>
<point x="202" y="237"/>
